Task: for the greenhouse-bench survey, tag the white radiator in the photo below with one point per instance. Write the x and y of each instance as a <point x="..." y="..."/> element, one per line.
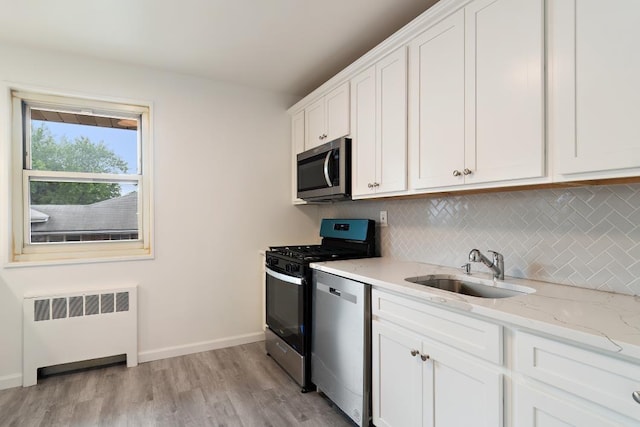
<point x="73" y="327"/>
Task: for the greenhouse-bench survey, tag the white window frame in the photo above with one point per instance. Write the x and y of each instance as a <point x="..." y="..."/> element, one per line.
<point x="23" y="251"/>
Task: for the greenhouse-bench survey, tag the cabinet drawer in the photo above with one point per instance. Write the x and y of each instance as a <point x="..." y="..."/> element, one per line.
<point x="539" y="407"/>
<point x="605" y="380"/>
<point x="469" y="334"/>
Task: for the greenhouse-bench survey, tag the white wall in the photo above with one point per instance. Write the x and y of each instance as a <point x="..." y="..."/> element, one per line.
<point x="222" y="193"/>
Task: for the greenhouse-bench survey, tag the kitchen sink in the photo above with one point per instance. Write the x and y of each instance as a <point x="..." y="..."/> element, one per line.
<point x="471" y="286"/>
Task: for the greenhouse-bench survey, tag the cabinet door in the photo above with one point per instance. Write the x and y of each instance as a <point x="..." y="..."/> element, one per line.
<point x="337" y="113"/>
<point x="436" y="104"/>
<point x="504" y="132"/>
<point x="396" y="377"/>
<point x="363" y="126"/>
<point x="391" y="146"/>
<point x="297" y="146"/>
<point x="594" y="96"/>
<point x="314" y="124"/>
<point x="534" y="408"/>
<point x="458" y="391"/>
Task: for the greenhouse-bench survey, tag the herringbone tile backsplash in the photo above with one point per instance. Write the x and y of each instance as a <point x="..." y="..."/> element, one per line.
<point x="586" y="236"/>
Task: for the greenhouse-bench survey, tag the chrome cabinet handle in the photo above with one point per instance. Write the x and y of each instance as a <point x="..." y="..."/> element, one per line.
<point x="414" y="353"/>
<point x="636" y="396"/>
<point x="424" y="357"/>
<point x="467" y="171"/>
<point x="456" y="173"/>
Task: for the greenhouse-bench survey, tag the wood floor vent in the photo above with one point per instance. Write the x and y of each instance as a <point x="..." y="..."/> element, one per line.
<point x="76" y="327"/>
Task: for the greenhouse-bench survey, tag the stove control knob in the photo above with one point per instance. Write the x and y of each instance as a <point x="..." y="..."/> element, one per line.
<point x="288" y="268"/>
<point x="295" y="268"/>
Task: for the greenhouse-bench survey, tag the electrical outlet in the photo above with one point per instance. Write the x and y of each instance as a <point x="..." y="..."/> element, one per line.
<point x="383" y="218"/>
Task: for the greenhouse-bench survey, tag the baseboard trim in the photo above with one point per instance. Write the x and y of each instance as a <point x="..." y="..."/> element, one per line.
<point x="181" y="350"/>
<point x="15" y="380"/>
<point x="10" y="381"/>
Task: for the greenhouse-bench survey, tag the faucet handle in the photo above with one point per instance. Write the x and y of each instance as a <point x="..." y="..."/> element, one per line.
<point x="466" y="268"/>
<point x="498" y="261"/>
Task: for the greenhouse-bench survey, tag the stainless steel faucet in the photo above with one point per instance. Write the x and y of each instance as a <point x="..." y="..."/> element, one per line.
<point x="497" y="265"/>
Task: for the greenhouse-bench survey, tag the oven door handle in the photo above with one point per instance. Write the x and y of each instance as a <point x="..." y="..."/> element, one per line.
<point x="285" y="278"/>
<point x="326" y="169"/>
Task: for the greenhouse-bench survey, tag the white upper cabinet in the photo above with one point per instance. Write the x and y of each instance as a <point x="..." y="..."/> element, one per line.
<point x="436" y="64"/>
<point x="379" y="127"/>
<point x="314" y="124"/>
<point x="327" y="118"/>
<point x="494" y="93"/>
<point x="363" y="131"/>
<point x="391" y="122"/>
<point x="594" y="88"/>
<point x="504" y="97"/>
<point x="477" y="105"/>
<point x="297" y="146"/>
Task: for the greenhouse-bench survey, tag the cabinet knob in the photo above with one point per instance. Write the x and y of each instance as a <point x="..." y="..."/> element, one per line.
<point x="467" y="171"/>
<point x="636" y="396"/>
<point x="456" y="173"/>
<point x="424" y="357"/>
<point x="414" y="353"/>
<point x="376" y="184"/>
<point x="370" y="185"/>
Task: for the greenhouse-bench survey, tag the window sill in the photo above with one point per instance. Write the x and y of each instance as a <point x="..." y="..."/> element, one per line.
<point x="42" y="260"/>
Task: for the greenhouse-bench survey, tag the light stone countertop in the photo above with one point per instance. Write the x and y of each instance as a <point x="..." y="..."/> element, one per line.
<point x="603" y="320"/>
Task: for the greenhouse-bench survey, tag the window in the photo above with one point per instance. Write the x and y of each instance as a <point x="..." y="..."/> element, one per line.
<point x="81" y="180"/>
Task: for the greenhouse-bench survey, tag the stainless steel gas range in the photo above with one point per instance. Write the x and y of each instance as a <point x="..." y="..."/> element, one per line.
<point x="288" y="293"/>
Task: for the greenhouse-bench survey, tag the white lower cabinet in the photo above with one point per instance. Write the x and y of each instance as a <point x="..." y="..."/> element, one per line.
<point x="539" y="407"/>
<point x="417" y="381"/>
<point x="396" y="377"/>
<point x="589" y="388"/>
<point x="429" y="368"/>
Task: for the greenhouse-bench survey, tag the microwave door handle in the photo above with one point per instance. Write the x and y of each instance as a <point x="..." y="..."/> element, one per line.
<point x="326" y="169"/>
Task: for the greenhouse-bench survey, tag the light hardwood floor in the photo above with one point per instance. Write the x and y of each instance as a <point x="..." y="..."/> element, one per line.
<point x="236" y="386"/>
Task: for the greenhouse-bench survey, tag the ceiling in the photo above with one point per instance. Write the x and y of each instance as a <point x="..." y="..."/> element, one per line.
<point x="288" y="46"/>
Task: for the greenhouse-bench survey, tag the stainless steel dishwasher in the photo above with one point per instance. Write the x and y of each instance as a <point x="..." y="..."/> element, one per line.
<point x="341" y="343"/>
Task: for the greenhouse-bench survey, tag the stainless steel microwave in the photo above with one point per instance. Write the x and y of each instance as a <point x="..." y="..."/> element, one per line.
<point x="324" y="172"/>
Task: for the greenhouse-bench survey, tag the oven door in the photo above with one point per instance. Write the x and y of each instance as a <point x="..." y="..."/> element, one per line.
<point x="286" y="296"/>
